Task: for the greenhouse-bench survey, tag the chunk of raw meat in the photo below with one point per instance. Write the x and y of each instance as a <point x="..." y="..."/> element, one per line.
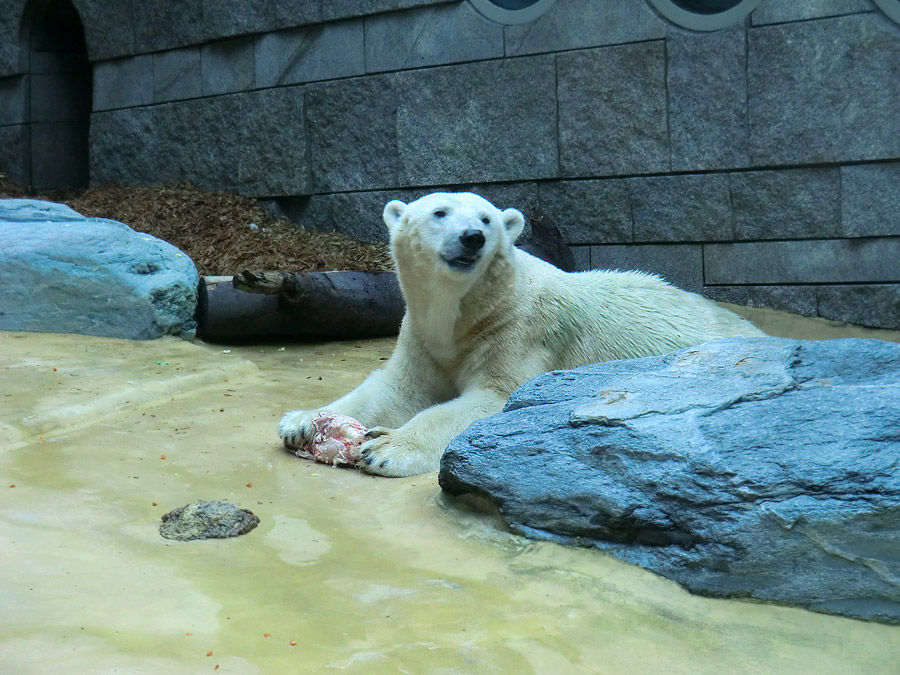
<point x="336" y="440"/>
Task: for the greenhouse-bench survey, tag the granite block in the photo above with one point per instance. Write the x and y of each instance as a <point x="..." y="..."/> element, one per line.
<point x="418" y="38"/>
<point x="309" y="54"/>
<point x="824" y="91"/>
<point x="874" y="305"/>
<point x="791" y="204"/>
<point x="706" y="80"/>
<point x="681" y="208"/>
<point x="612" y="111"/>
<point x="176" y="74"/>
<point x="803" y="262"/>
<point x="578" y="24"/>
<point x="871" y="199"/>
<point x="356" y="214"/>
<point x="795" y="299"/>
<point x="201" y="140"/>
<point x="589" y="211"/>
<point x="11" y="58"/>
<point x="165" y="24"/>
<point x="503" y="130"/>
<point x="582" y="255"/>
<point x="679" y="264"/>
<point x="108" y="28"/>
<point x="344" y="9"/>
<point x="223" y="18"/>
<point x="227" y="67"/>
<point x="123" y="149"/>
<point x="123" y="83"/>
<point x="352" y="132"/>
<point x="273" y="155"/>
<point x="15" y="154"/>
<point x="780" y="11"/>
<point x="13" y="102"/>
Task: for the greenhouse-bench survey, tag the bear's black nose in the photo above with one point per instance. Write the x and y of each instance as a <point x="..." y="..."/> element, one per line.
<point x="472" y="240"/>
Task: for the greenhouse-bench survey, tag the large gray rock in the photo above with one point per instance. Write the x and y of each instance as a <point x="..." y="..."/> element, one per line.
<point x="749" y="467"/>
<point x="63" y="273"/>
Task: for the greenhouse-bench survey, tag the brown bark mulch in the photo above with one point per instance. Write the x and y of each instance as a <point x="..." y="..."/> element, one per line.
<point x="221" y="232"/>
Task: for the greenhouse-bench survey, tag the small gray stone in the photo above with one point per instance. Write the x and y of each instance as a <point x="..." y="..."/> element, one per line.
<point x="794" y="204"/>
<point x="681" y="208"/>
<point x="418" y="38"/>
<point x="612" y="110"/>
<point x="207" y="520"/>
<point x="64" y="273"/>
<point x="747" y="467"/>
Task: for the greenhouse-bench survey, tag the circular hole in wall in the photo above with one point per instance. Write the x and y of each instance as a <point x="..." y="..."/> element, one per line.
<point x="891" y="8"/>
<point x="512" y="11"/>
<point x="705" y="15"/>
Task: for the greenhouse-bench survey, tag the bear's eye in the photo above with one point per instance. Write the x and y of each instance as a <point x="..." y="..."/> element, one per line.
<point x="440" y="213"/>
<point x="486" y="220"/>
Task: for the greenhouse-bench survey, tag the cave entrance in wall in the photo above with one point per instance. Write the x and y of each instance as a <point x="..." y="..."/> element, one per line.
<point x="59" y="95"/>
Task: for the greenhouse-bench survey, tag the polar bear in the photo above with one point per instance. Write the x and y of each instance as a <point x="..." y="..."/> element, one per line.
<point x="483" y="317"/>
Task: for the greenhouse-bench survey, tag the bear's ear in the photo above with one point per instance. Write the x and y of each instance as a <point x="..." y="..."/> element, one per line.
<point x="514" y="222"/>
<point x="393" y="214"/>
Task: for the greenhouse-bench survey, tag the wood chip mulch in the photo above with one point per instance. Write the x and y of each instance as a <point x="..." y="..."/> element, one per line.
<point x="221" y="232"/>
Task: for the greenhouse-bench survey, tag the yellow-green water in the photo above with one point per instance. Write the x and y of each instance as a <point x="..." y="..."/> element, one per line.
<point x="364" y="574"/>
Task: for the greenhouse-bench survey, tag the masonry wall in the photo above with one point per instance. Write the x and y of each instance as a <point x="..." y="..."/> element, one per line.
<point x="759" y="164"/>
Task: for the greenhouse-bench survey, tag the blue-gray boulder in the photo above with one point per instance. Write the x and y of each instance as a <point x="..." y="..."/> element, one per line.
<point x="61" y="272"/>
<point x="750" y="467"/>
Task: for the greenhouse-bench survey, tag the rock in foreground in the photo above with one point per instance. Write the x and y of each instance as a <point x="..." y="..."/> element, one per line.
<point x="207" y="520"/>
<point x="747" y="467"/>
<point x="64" y="273"/>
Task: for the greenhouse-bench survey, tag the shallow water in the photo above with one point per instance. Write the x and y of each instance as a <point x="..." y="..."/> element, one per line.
<point x="364" y="574"/>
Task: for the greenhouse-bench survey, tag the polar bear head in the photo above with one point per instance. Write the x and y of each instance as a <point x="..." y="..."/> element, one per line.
<point x="455" y="233"/>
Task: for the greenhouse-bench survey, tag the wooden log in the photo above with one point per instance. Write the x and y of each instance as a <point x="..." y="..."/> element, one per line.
<point x="314" y="306"/>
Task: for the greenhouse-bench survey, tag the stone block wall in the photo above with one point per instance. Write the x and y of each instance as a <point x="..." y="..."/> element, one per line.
<point x="759" y="164"/>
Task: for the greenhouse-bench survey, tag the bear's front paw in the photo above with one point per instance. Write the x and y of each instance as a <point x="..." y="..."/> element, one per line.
<point x="387" y="452"/>
<point x="296" y="429"/>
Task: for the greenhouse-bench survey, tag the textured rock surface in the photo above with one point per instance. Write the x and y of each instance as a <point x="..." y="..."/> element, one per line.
<point x="749" y="467"/>
<point x="63" y="273"/>
<point x="207" y="520"/>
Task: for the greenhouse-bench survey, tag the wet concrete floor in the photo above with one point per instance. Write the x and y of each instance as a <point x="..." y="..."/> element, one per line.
<point x="346" y="572"/>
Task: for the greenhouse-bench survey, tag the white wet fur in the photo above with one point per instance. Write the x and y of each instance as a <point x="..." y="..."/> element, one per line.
<point x="473" y="334"/>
